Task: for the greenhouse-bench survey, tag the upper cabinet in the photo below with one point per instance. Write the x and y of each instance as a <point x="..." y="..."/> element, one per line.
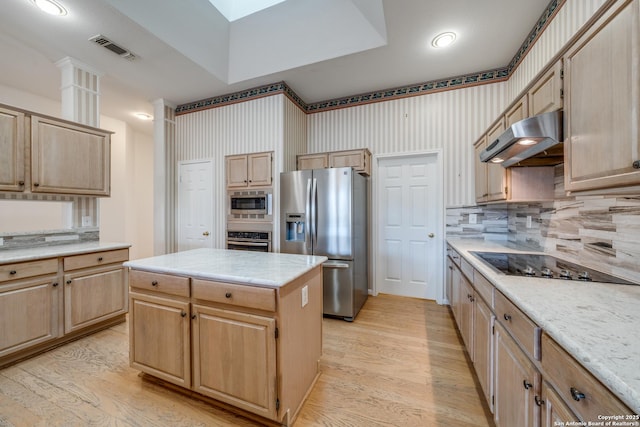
<point x="69" y="159"/>
<point x="602" y="78"/>
<point x="546" y="93"/>
<point x="62" y="157"/>
<point x="249" y="170"/>
<point x="359" y="160"/>
<point x="496" y="174"/>
<point x="11" y="150"/>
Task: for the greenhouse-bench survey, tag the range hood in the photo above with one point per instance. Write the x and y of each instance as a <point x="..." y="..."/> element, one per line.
<point x="534" y="141"/>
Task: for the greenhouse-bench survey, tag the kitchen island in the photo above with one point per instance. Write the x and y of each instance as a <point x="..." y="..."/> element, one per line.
<point x="241" y="328"/>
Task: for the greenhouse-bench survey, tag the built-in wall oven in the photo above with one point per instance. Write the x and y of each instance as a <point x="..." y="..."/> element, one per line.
<point x="257" y="241"/>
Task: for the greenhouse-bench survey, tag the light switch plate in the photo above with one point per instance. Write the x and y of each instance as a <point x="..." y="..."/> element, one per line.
<point x="473" y="218"/>
<point x="86" y="221"/>
<point x="528" y="221"/>
<point x="305" y="295"/>
<point x="1" y="241"/>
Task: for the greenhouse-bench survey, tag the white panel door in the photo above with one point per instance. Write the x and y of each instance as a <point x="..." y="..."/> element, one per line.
<point x="409" y="221"/>
<point x="195" y="205"/>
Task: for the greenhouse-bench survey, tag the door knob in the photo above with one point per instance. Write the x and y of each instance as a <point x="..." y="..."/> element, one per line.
<point x="206" y="233"/>
<point x="431" y="235"/>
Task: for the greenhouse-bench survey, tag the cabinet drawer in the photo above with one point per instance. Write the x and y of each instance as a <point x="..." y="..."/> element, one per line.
<point x="173" y="285"/>
<point x="569" y="378"/>
<point x="484" y="288"/>
<point x="239" y="295"/>
<point x="518" y="324"/>
<point x="27" y="269"/>
<point x="454" y="256"/>
<point x="467" y="269"/>
<point x="95" y="259"/>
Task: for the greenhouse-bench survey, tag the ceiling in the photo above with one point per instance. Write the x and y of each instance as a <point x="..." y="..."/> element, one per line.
<point x="323" y="49"/>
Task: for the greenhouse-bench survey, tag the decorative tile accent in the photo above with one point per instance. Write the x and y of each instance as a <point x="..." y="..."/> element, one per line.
<point x="473" y="79"/>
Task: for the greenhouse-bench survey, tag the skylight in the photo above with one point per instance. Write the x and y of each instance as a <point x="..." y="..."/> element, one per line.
<point x="236" y="9"/>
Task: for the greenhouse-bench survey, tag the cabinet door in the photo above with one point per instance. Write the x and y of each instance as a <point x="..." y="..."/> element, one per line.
<point x="554" y="411"/>
<point x="519" y="111"/>
<point x="516" y="383"/>
<point x="357" y="159"/>
<point x="313" y="161"/>
<point x="94" y="295"/>
<point x="11" y="150"/>
<point x="602" y="81"/>
<point x="456" y="292"/>
<point x="236" y="171"/>
<point x="28" y="313"/>
<point x="69" y="159"/>
<point x="466" y="315"/>
<point x="496" y="174"/>
<point x="159" y="341"/>
<point x="234" y="359"/>
<point x="259" y="169"/>
<point x="483" y="347"/>
<point x="546" y="93"/>
<point x="482" y="192"/>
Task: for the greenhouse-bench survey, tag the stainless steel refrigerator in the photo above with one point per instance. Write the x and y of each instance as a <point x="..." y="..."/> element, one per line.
<point x="324" y="212"/>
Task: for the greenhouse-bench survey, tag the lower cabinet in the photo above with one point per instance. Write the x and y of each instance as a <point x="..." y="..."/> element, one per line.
<point x="234" y="358"/>
<point x="554" y="411"/>
<point x="467" y="308"/>
<point x="28" y="313"/>
<point x="159" y="337"/>
<point x="483" y="321"/>
<point x="92" y="295"/>
<point x="517" y="383"/>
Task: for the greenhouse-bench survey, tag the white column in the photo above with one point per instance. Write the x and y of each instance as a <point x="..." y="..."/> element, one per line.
<point x="80" y="92"/>
<point x="163" y="134"/>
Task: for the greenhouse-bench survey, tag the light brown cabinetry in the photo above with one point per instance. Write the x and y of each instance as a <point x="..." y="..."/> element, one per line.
<point x="554" y="411"/>
<point x="482" y="190"/>
<point x="546" y="94"/>
<point x="496" y="174"/>
<point x="44" y="303"/>
<point x="69" y="159"/>
<point x="584" y="395"/>
<point x="12" y="141"/>
<point x="516" y="382"/>
<point x="254" y="348"/>
<point x="517" y="112"/>
<point x="29" y="305"/>
<point x="602" y="136"/>
<point x="62" y="157"/>
<point x="249" y="170"/>
<point x="359" y="160"/>
<point x="483" y="320"/>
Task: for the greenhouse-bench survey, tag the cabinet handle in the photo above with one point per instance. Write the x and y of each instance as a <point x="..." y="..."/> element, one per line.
<point x="576" y="394"/>
<point x="35" y="184"/>
<point x="54" y="284"/>
<point x="193" y="317"/>
<point x="99" y="258"/>
<point x="183" y="313"/>
<point x="69" y="282"/>
<point x="20" y="183"/>
<point x="227" y="295"/>
<point x="636" y="164"/>
<point x="507" y="317"/>
<point x="538" y="401"/>
<point x="527" y="384"/>
<point x="154" y="283"/>
<point x="13" y="272"/>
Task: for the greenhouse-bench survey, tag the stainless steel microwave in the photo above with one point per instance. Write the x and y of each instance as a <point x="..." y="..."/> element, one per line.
<point x="250" y="204"/>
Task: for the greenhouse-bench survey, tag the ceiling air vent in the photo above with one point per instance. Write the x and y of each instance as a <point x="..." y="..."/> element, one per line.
<point x="108" y="44"/>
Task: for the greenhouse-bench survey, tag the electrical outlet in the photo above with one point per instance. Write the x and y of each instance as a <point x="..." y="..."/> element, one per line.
<point x="305" y="295"/>
<point x="528" y="221"/>
<point x="473" y="218"/>
<point x="1" y="241"/>
<point x="86" y="221"/>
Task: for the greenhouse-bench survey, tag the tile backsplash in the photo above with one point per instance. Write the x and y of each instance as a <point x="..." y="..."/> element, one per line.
<point x="602" y="232"/>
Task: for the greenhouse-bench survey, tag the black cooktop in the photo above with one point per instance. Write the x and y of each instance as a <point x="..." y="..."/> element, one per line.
<point x="544" y="266"/>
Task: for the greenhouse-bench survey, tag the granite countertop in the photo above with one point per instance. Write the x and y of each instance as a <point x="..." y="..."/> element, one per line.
<point x="265" y="269"/>
<point x="597" y="323"/>
<point x="66" y="249"/>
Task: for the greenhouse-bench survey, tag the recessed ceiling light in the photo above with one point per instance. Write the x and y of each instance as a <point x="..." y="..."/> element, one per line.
<point x="143" y="116"/>
<point x="443" y="39"/>
<point x="52" y="7"/>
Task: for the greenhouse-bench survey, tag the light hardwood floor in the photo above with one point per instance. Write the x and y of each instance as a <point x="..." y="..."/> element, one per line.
<point x="400" y="363"/>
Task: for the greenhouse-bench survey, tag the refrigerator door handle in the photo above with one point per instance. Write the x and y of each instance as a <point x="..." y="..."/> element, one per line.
<point x="314" y="213"/>
<point x="307" y="218"/>
<point x="330" y="264"/>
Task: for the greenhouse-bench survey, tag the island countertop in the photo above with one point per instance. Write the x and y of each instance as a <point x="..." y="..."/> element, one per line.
<point x="265" y="269"/>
